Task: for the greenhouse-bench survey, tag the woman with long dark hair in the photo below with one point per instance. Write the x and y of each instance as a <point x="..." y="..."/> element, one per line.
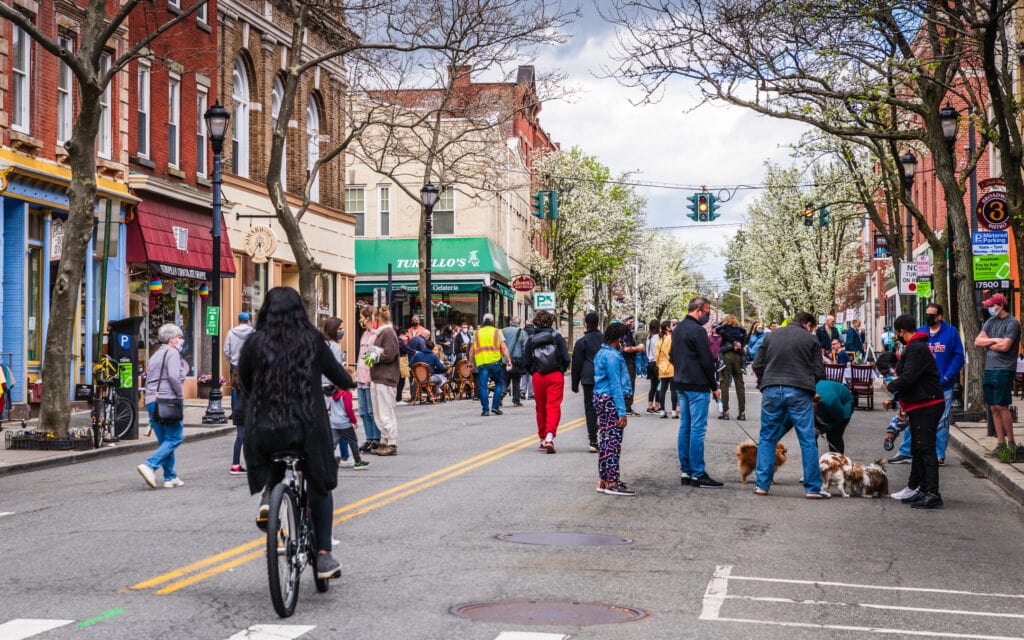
<point x="280" y="369"/>
<point x="665" y="371"/>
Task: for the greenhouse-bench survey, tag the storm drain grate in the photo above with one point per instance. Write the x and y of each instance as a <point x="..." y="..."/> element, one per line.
<point x="564" y="539"/>
<point x="548" y="612"/>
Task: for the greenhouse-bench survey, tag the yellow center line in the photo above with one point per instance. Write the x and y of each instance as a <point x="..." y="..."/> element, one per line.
<point x="352" y="510"/>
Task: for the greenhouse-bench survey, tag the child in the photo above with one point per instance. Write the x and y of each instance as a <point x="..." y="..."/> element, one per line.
<point x="344" y="423"/>
<point x="886" y="365"/>
<point x="611" y="384"/>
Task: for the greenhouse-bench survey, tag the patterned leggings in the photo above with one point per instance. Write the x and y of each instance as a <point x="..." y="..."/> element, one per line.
<point x="609" y="439"/>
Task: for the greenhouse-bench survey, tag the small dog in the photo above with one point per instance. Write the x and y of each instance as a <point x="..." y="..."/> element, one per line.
<point x="746" y="456"/>
<point x="851" y="478"/>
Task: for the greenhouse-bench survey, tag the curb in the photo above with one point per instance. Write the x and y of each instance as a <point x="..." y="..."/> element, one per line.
<point x="92" y="454"/>
<point x="991" y="468"/>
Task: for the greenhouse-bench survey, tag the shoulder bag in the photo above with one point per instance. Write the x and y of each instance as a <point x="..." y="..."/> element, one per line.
<point x="167" y="410"/>
<point x="518" y="368"/>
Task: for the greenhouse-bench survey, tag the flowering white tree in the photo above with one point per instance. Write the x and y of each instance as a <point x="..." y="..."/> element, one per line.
<point x="666" y="280"/>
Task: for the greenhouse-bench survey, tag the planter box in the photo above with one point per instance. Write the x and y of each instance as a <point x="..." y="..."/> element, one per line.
<point x="37" y="443"/>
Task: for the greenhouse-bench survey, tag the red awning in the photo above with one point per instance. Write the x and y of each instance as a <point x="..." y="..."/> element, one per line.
<point x="175" y="241"/>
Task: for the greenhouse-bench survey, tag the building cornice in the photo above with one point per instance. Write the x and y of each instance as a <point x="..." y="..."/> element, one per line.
<point x="152" y="184"/>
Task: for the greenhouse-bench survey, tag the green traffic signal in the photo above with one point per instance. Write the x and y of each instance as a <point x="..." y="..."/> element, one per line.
<point x="553" y="205"/>
<point x="694" y="214"/>
<point x="537" y="204"/>
<point x="713" y="207"/>
<point x="824" y="217"/>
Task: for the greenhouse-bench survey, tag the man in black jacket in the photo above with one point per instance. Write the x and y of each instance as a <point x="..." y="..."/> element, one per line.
<point x="583" y="353"/>
<point x="788" y="365"/>
<point x="826" y="333"/>
<point x="694" y="382"/>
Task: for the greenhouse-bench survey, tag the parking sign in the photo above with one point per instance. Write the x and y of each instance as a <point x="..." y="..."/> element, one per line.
<point x="544" y="300"/>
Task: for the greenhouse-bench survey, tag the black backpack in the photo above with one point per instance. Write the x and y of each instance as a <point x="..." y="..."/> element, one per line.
<point x="545" y="352"/>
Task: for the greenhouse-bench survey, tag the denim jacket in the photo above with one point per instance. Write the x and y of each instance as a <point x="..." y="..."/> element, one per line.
<point x="611" y="377"/>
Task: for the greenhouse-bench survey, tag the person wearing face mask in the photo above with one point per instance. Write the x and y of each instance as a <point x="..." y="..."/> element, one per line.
<point x="165" y="373"/>
<point x="1000" y="338"/>
<point x="694" y="382"/>
<point x="757" y="334"/>
<point x="788" y="367"/>
<point x="944" y="342"/>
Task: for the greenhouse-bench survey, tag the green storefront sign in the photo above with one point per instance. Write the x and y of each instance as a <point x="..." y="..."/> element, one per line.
<point x="448" y="255"/>
<point x="992" y="267"/>
<point x="468" y="286"/>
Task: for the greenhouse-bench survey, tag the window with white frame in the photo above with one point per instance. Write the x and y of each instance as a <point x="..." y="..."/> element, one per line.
<point x="355" y="204"/>
<point x="21" y="54"/>
<point x="201" y="101"/>
<point x="276" y="96"/>
<point x="142" y="111"/>
<point x="313" y="146"/>
<point x="174" y="3"/>
<point x="201" y="13"/>
<point x="240" y="119"/>
<point x="444" y="213"/>
<point x="174" y="122"/>
<point x="65" y="101"/>
<point x="105" y="138"/>
<point x="384" y="211"/>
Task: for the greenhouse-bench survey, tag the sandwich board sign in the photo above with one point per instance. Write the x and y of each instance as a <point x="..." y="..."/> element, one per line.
<point x="544" y="300"/>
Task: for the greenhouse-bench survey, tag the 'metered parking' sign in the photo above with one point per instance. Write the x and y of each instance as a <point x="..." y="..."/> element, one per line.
<point x="544" y="300"/>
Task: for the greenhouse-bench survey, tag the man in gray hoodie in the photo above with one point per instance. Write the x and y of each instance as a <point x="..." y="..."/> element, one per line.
<point x="233" y="347"/>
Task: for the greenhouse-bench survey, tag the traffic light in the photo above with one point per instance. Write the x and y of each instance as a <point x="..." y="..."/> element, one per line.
<point x="809" y="215"/>
<point x="702" y="207"/>
<point x="713" y="207"/>
<point x="553" y="205"/>
<point x="693" y="215"/>
<point x="824" y="217"/>
<point x="537" y="204"/>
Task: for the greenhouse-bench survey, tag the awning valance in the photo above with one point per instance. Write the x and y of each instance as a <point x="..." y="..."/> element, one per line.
<point x="175" y="241"/>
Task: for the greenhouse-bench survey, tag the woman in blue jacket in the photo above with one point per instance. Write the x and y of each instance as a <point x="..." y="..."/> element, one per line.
<point x="611" y="384"/>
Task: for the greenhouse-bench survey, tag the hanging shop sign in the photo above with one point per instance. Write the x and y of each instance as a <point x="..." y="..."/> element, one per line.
<point x="523" y="283"/>
<point x="992" y="211"/>
<point x="259" y="242"/>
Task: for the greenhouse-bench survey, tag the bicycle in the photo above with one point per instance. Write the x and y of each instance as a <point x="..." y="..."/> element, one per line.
<point x="291" y="540"/>
<point x="112" y="414"/>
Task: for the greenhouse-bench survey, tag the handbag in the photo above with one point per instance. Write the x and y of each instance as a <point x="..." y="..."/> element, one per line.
<point x="518" y="368"/>
<point x="167" y="410"/>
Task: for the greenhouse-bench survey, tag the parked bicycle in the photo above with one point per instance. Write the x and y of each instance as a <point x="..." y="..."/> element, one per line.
<point x="291" y="541"/>
<point x="112" y="413"/>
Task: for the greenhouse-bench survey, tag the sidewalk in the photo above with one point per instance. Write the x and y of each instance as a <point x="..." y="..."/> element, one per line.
<point x="16" y="461"/>
<point x="970" y="440"/>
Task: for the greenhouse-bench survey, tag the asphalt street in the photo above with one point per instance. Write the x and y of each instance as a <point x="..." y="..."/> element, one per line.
<point x="90" y="552"/>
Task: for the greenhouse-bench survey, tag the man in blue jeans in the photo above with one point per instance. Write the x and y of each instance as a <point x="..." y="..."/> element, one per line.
<point x="487" y="353"/>
<point x="946" y="346"/>
<point x="695" y="382"/>
<point x="788" y="365"/>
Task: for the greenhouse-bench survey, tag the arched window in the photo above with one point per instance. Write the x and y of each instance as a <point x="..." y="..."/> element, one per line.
<point x="240" y="119"/>
<point x="276" y="96"/>
<point x="313" y="146"/>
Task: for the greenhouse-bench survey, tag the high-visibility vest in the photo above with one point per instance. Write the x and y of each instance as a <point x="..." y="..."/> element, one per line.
<point x="486" y="346"/>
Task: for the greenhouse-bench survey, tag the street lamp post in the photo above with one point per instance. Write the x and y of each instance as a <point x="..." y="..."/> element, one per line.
<point x="949" y="118"/>
<point x="909" y="162"/>
<point x="428" y="195"/>
<point x="216" y="127"/>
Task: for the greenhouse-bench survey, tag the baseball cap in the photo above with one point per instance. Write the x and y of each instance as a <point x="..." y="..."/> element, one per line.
<point x="996" y="298"/>
<point x="243" y="317"/>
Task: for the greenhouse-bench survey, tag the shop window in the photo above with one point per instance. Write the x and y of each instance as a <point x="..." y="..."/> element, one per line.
<point x="355" y="204"/>
<point x="104" y="141"/>
<point x="384" y="209"/>
<point x="65" y="102"/>
<point x="240" y="119"/>
<point x="201" y="101"/>
<point x="327" y="298"/>
<point x="34" y="310"/>
<point x="21" y="57"/>
<point x="174" y="122"/>
<point x="254" y="285"/>
<point x="142" y="111"/>
<point x="444" y="213"/>
<point x="174" y="303"/>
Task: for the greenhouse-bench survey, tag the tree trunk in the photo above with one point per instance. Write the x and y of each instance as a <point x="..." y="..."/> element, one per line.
<point x="570" y="305"/>
<point x="940" y="289"/>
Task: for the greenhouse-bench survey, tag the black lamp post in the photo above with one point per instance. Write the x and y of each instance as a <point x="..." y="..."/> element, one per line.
<point x="428" y="195"/>
<point x="216" y="127"/>
<point x="909" y="162"/>
<point x="950" y="120"/>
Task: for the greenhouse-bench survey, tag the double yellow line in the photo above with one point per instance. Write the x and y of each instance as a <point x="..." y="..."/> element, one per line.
<point x="200" y="570"/>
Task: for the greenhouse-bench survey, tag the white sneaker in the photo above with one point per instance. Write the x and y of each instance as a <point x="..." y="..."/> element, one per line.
<point x="402" y="403"/>
<point x="346" y="463"/>
<point x="147" y="475"/>
<point x="905" y="492"/>
<point x="675" y="415"/>
<point x="173" y="484"/>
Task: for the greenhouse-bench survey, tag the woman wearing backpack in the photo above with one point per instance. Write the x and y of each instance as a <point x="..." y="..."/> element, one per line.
<point x="546" y="358"/>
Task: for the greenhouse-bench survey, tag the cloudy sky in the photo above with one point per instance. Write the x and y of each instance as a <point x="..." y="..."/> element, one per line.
<point x="666" y="142"/>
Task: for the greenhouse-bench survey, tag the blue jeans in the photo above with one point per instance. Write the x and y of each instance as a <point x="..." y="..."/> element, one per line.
<point x="169" y="436"/>
<point x="941" y="434"/>
<point x="366" y="413"/>
<point x="693" y="425"/>
<point x="495" y="371"/>
<point x="777" y="402"/>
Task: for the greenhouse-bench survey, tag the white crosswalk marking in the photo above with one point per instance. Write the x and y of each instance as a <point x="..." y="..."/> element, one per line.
<point x="26" y="628"/>
<point x="6" y="513"/>
<point x="529" y="635"/>
<point x="271" y="632"/>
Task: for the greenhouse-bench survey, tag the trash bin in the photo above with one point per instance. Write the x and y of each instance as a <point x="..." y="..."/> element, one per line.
<point x="123" y="347"/>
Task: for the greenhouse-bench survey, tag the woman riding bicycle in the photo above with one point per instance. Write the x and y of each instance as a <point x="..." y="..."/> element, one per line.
<point x="280" y="369"/>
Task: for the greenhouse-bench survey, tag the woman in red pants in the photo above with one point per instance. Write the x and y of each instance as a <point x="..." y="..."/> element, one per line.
<point x="546" y="358"/>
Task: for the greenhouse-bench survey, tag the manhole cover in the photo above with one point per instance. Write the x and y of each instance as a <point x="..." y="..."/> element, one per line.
<point x="564" y="539"/>
<point x="547" y="612"/>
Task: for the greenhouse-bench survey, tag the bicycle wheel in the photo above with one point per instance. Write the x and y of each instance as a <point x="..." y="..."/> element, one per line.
<point x="124" y="415"/>
<point x="283" y="567"/>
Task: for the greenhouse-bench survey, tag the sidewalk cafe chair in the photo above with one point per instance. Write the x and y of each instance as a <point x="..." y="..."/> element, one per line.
<point x="464" y="380"/>
<point x="835" y="372"/>
<point x="862" y="384"/>
<point x="421" y="384"/>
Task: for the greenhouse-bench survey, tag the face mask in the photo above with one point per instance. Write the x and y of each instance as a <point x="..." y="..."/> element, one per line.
<point x="900" y="340"/>
<point x="931" y="319"/>
<point x="758" y="331"/>
<point x="993" y="311"/>
<point x="341" y="334"/>
<point x="180" y="345"/>
<point x="703" y="318"/>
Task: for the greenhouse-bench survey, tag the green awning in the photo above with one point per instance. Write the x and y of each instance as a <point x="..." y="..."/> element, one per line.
<point x="506" y="290"/>
<point x="448" y="255"/>
<point x="442" y="287"/>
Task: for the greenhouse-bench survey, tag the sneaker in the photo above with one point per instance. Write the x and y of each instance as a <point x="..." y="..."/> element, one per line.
<point x="386" y="450"/>
<point x="402" y="403"/>
<point x="346" y="462"/>
<point x="174" y="484"/>
<point x="601" y="486"/>
<point x="942" y="461"/>
<point x="147" y="474"/>
<point x="912" y="498"/>
<point x="630" y="412"/>
<point x="905" y="492"/>
<point x="264" y="511"/>
<point x="517" y="404"/>
<point x="684" y="479"/>
<point x="361" y="464"/>
<point x="663" y="414"/>
<point x="237" y="470"/>
<point x="742" y="416"/>
<point x="549" y="444"/>
<point x="619" y="489"/>
<point x="497" y="411"/>
<point x="900" y="459"/>
<point x="651" y="410"/>
<point x="675" y="415"/>
<point x="541" y="446"/>
<point x="723" y="416"/>
<point x="327" y="567"/>
<point x="592" y="448"/>
<point x="704" y="481"/>
<point x="484" y="414"/>
<point x="928" y="501"/>
<point x="758" y="491"/>
<point x="369" y="444"/>
<point x="820" y="495"/>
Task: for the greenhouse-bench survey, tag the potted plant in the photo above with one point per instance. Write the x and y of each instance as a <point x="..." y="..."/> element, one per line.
<point x="204" y="382"/>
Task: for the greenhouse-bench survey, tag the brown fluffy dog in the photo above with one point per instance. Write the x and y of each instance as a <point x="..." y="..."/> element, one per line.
<point x="746" y="456"/>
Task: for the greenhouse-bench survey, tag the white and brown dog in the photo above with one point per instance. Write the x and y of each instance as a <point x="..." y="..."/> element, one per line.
<point x="851" y="478"/>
